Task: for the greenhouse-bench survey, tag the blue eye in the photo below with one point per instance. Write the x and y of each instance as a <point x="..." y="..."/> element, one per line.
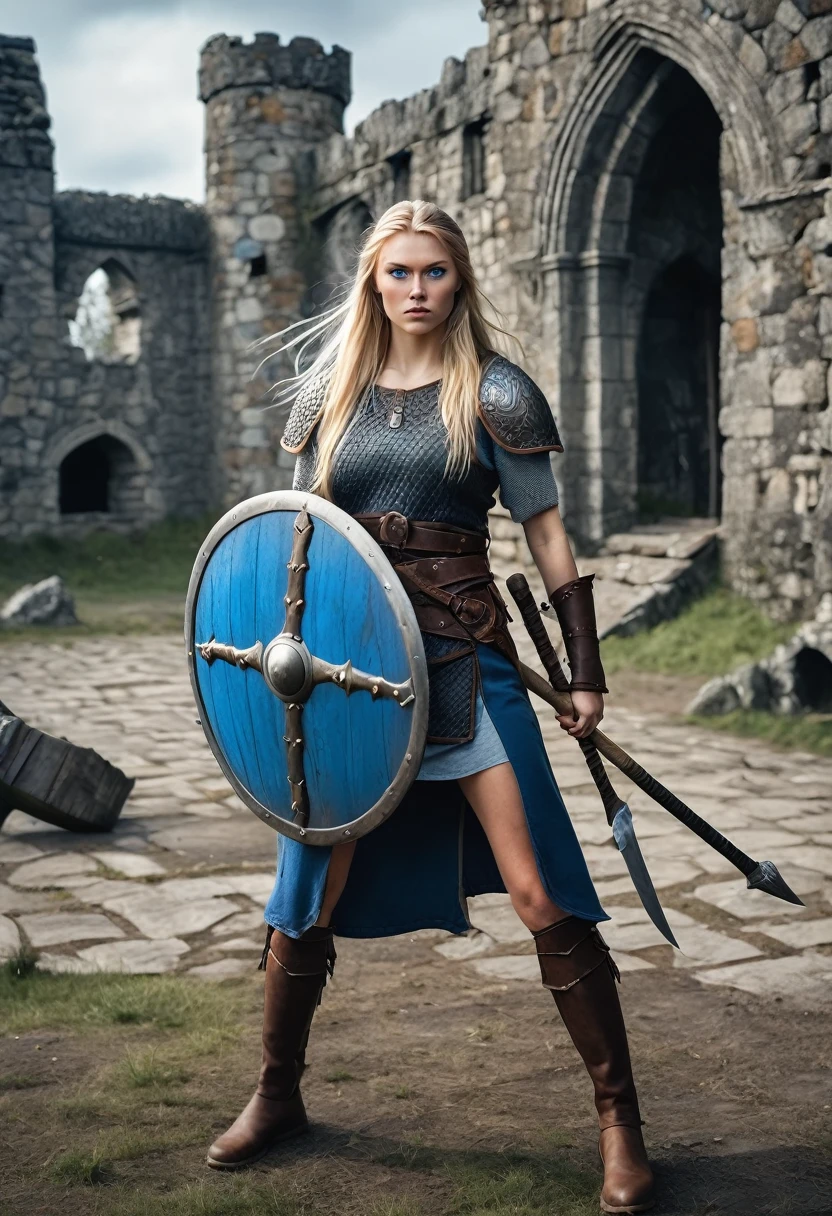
<point x="397" y="271"/>
<point x="438" y="271"/>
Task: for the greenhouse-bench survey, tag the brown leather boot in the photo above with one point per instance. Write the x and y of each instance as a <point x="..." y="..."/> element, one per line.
<point x="576" y="965"/>
<point x="296" y="971"/>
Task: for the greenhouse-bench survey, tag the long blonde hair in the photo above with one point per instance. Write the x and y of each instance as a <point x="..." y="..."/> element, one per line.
<point x="353" y="339"/>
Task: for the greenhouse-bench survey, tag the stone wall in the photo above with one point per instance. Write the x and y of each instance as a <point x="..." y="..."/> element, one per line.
<point x="578" y="96"/>
<point x="556" y="145"/>
<point x="147" y="417"/>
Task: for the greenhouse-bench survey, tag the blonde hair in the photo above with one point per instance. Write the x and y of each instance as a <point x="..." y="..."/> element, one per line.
<point x="353" y="339"/>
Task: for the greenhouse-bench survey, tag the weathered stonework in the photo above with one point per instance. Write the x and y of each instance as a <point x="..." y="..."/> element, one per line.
<point x="151" y="418"/>
<point x="647" y="191"/>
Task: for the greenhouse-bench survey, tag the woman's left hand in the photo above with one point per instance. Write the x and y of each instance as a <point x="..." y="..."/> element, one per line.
<point x="589" y="710"/>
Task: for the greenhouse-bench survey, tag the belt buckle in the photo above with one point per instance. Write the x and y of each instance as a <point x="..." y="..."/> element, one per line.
<point x="394" y="528"/>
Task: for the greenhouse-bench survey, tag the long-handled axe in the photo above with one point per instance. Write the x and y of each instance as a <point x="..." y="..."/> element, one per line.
<point x="759" y="875"/>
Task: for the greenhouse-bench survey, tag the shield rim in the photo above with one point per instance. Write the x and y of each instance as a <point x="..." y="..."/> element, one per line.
<point x="344" y="524"/>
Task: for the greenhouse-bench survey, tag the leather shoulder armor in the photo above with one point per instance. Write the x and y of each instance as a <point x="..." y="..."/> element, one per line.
<point x="305" y="412"/>
<point x="514" y="411"/>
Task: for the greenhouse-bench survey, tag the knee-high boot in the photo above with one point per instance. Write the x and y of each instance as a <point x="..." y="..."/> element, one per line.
<point x="296" y="972"/>
<point x="576" y="966"/>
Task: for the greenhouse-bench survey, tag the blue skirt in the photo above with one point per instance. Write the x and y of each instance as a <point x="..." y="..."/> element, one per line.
<point x="416" y="870"/>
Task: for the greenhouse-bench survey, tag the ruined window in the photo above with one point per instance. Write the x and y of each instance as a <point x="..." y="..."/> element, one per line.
<point x="473" y="157"/>
<point x="400" y="168"/>
<point x="251" y="251"/>
<point x="107" y="325"/>
<point x="92" y="477"/>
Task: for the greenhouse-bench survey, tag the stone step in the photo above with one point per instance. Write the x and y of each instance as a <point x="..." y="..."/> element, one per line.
<point x="670" y="538"/>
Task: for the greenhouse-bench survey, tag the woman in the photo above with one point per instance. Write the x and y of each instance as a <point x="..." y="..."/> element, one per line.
<point x="409" y="420"/>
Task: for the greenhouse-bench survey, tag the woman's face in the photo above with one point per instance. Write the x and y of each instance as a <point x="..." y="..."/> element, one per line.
<point x="417" y="279"/>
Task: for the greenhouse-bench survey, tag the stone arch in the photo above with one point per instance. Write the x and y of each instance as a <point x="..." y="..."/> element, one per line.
<point x="646" y="67"/>
<point x="100" y="469"/>
<point x="107" y="320"/>
<point x="632" y="28"/>
<point x="63" y="443"/>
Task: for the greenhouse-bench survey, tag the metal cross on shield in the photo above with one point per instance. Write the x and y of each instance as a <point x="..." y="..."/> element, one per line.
<point x="308" y="667"/>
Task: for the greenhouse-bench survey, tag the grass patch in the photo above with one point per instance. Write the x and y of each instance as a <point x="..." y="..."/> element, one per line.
<point x="521" y="1186"/>
<point x="159" y="558"/>
<point x="31" y="1000"/>
<point x="499" y="1184"/>
<point x="338" y="1075"/>
<point x="78" y="1167"/>
<point x="120" y="583"/>
<point x="18" y="1081"/>
<point x="148" y="1070"/>
<point x="235" y="1195"/>
<point x="806" y="732"/>
<point x="713" y="635"/>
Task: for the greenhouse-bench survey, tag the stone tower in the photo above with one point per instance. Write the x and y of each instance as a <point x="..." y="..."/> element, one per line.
<point x="267" y="105"/>
<point x="27" y="292"/>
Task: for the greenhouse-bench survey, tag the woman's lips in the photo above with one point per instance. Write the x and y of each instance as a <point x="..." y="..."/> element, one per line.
<point x="417" y="312"/>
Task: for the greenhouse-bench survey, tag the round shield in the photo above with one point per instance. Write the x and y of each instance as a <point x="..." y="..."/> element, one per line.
<point x="308" y="667"/>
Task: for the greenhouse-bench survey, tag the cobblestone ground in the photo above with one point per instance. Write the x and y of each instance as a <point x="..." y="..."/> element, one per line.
<point x="181" y="881"/>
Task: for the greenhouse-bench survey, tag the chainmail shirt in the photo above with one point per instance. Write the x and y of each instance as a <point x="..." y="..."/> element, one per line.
<point x="392" y="458"/>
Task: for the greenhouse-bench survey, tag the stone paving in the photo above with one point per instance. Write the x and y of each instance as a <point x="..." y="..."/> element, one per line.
<point x="181" y="881"/>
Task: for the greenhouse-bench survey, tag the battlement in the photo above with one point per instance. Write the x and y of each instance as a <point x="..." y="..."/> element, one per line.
<point x="229" y="63"/>
<point x="24" y="119"/>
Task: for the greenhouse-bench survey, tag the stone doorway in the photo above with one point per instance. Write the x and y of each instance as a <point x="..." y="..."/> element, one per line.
<point x="678" y="395"/>
<point x="100" y="477"/>
<point x="632" y="298"/>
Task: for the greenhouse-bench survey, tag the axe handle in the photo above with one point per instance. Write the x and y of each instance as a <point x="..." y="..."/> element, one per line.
<point x="523" y="598"/>
<point x="562" y="702"/>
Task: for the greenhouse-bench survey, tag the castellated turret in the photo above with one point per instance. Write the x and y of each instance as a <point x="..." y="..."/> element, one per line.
<point x="267" y="105"/>
<point x="27" y="327"/>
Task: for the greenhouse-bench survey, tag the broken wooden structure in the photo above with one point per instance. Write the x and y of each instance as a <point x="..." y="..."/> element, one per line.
<point x="56" y="781"/>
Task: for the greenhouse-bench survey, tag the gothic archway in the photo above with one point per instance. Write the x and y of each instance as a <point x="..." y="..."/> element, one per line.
<point x="662" y="124"/>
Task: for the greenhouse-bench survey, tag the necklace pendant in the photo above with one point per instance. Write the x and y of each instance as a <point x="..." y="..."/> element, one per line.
<point x="396" y="417"/>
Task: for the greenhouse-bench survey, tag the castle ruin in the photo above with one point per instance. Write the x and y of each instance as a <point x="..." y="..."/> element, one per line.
<point x="647" y="191"/>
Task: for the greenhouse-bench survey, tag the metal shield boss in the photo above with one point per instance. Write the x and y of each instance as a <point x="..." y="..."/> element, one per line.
<point x="308" y="667"/>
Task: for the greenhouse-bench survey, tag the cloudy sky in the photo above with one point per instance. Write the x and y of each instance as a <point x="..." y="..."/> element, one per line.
<point x="120" y="75"/>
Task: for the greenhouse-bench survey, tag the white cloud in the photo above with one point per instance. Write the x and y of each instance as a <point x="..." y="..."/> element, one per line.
<point x="124" y="108"/>
<point x="122" y="87"/>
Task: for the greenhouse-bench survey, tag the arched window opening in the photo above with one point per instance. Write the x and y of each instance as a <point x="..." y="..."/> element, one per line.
<point x="96" y="477"/>
<point x="107" y="325"/>
<point x="813" y="680"/>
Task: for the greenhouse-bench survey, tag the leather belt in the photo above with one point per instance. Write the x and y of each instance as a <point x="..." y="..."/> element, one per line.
<point x="393" y="528"/>
<point x="452" y="596"/>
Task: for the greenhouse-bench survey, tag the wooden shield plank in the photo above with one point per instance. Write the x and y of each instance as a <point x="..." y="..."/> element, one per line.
<point x="360" y="752"/>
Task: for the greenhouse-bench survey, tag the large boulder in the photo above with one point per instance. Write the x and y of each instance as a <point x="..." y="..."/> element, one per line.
<point x="45" y="603"/>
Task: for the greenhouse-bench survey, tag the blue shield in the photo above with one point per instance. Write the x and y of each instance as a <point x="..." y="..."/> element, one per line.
<point x="307" y="665"/>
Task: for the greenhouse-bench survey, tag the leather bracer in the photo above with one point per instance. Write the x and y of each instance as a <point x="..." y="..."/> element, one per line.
<point x="575" y="610"/>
